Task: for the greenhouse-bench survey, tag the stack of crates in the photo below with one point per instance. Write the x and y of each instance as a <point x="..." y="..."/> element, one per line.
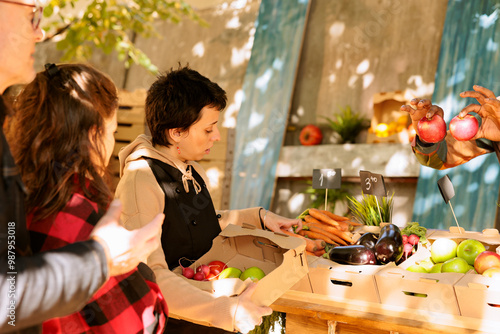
<point x="131" y="123"/>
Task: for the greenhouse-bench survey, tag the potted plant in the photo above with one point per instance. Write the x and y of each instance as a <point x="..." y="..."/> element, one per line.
<point x="348" y="124"/>
<point x="371" y="211"/>
<point x="333" y="197"/>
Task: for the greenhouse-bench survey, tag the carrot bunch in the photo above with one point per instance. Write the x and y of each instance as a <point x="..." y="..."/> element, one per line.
<point x="322" y="229"/>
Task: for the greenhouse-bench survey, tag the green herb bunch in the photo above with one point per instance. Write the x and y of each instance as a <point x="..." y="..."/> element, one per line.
<point x="366" y="211"/>
<point x="348" y="124"/>
<point x="334" y="196"/>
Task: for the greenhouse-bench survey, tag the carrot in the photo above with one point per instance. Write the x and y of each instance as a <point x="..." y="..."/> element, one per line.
<point x="353" y="223"/>
<point x="311" y="219"/>
<point x="344" y="226"/>
<point x="310" y="244"/>
<point x="315" y="235"/>
<point x="331" y="236"/>
<point x="320" y="243"/>
<point x="310" y="253"/>
<point x="335" y="230"/>
<point x="319" y="252"/>
<point x="322" y="217"/>
<point x="334" y="216"/>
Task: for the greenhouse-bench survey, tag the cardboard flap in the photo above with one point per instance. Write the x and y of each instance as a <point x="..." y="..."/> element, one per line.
<point x="282" y="240"/>
<point x="488" y="236"/>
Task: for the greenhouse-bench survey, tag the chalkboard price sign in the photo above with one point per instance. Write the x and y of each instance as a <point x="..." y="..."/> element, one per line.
<point x="446" y="188"/>
<point x="372" y="184"/>
<point x="327" y="178"/>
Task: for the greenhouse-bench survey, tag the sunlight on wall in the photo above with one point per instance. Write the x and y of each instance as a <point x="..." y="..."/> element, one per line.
<point x="199" y="49"/>
<point x="337" y="29"/>
<point x="234" y="23"/>
<point x="363" y="66"/>
<point x="232" y="110"/>
<point x="421" y="89"/>
<point x="352" y="81"/>
<point x="332" y="78"/>
<point x="368" y="79"/>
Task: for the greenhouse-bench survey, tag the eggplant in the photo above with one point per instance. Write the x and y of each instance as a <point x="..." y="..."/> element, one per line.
<point x="368" y="239"/>
<point x="353" y="254"/>
<point x="389" y="247"/>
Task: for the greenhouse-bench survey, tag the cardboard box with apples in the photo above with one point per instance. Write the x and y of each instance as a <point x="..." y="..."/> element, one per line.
<point x="477" y="296"/>
<point x="282" y="258"/>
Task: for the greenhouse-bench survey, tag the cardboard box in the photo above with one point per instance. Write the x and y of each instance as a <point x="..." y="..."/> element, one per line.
<point x="478" y="296"/>
<point x="340" y="282"/>
<point x="281" y="257"/>
<point x="421" y="291"/>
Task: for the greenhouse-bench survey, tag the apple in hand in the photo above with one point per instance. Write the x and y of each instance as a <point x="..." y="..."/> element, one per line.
<point x="455" y="265"/>
<point x="486" y="260"/>
<point x="469" y="249"/>
<point x="432" y="130"/>
<point x="310" y="135"/>
<point x="464" y="128"/>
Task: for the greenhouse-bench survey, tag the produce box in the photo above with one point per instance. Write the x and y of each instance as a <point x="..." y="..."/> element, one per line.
<point x="281" y="257"/>
<point x="478" y="296"/>
<point x="340" y="282"/>
<point x="421" y="291"/>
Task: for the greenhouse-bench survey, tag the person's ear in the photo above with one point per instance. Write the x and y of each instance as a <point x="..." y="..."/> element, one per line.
<point x="175" y="134"/>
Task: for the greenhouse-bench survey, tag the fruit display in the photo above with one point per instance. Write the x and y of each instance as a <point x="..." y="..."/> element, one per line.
<point x="217" y="270"/>
<point x="465" y="256"/>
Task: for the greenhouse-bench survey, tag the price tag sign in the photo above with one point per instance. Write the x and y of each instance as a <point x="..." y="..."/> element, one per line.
<point x="446" y="188"/>
<point x="327" y="178"/>
<point x="372" y="184"/>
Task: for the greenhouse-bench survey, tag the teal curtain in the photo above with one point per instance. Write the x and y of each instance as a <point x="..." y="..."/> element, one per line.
<point x="470" y="54"/>
<point x="267" y="90"/>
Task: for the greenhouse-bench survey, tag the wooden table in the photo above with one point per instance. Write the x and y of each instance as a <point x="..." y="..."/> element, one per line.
<point x="308" y="313"/>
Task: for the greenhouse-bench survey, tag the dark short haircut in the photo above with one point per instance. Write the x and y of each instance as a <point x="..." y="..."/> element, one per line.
<point x="175" y="100"/>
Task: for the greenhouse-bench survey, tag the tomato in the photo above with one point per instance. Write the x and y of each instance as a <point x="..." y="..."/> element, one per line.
<point x="216" y="267"/>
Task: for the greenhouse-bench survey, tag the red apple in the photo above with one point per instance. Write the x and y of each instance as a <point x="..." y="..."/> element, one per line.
<point x="486" y="260"/>
<point x="310" y="135"/>
<point x="431" y="130"/>
<point x="464" y="128"/>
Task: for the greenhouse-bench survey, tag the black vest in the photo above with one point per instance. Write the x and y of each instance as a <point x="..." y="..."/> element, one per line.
<point x="190" y="222"/>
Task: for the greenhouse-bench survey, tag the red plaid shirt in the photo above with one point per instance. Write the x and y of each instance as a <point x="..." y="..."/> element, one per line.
<point x="127" y="303"/>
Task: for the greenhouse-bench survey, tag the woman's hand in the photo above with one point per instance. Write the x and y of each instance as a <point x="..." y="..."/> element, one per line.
<point x="276" y="222"/>
<point x="419" y="109"/>
<point x="489" y="110"/>
<point x="248" y="314"/>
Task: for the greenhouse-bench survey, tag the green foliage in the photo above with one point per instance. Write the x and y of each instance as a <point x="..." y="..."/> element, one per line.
<point x="415" y="228"/>
<point x="366" y="211"/>
<point x="110" y="26"/>
<point x="348" y="124"/>
<point x="269" y="322"/>
<point x="334" y="195"/>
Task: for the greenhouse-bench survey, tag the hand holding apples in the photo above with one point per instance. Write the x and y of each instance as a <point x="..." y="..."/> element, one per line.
<point x="427" y="120"/>
<point x="488" y="109"/>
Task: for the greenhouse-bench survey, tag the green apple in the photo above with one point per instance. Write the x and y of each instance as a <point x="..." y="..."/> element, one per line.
<point x="427" y="264"/>
<point x="254" y="273"/>
<point x="436" y="268"/>
<point x="455" y="265"/>
<point x="469" y="249"/>
<point x="443" y="250"/>
<point x="230" y="272"/>
<point x="417" y="269"/>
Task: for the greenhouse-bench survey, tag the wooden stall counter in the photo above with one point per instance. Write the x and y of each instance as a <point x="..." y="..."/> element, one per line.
<point x="309" y="313"/>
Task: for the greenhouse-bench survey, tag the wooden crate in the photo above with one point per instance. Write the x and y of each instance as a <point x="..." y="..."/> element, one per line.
<point x="131" y="123"/>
